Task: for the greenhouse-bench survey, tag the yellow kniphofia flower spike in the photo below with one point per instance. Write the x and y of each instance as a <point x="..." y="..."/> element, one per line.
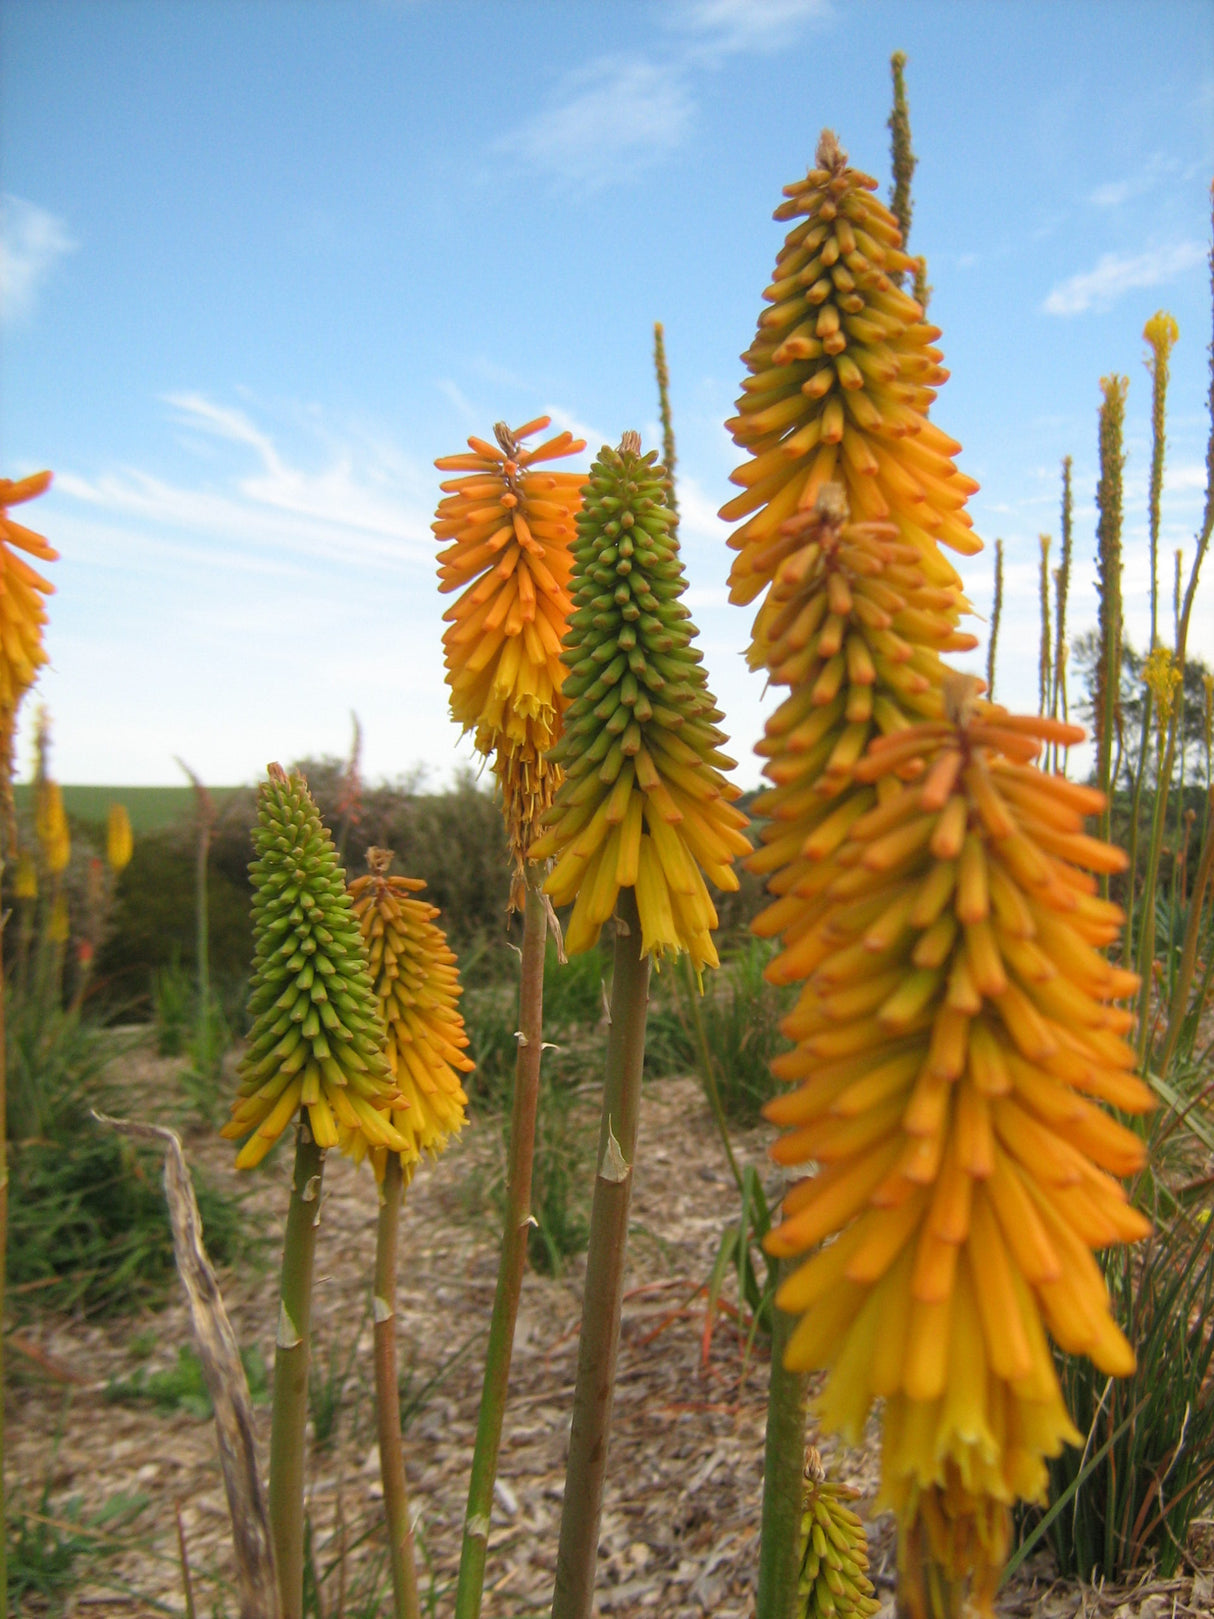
<point x="954" y="1037"/>
<point x="509" y="521"/>
<point x="414" y="974"/>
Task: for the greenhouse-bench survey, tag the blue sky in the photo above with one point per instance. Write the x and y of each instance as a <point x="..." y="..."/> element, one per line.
<point x="264" y="260"/>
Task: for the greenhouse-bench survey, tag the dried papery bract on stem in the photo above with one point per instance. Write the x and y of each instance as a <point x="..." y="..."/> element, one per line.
<point x="21" y="656"/>
<point x="643" y="814"/>
<point x="417" y="983"/>
<point x="952" y="1043"/>
<point x="316" y="1049"/>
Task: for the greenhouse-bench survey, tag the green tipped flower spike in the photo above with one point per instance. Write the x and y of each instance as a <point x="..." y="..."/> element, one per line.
<point x="318" y="1037"/>
<point x="834" y="1581"/>
<point x="644" y="804"/>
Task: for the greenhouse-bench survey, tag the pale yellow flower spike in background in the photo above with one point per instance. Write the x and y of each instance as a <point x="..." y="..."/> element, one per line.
<point x="414" y="974"/>
<point x="510" y="524"/>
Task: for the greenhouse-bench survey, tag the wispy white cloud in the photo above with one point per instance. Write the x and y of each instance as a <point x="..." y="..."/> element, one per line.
<point x="619" y="115"/>
<point x="721" y="28"/>
<point x="1119" y="273"/>
<point x="354" y="508"/>
<point x="32" y="242"/>
<point x="1147" y="177"/>
<point x="608" y="122"/>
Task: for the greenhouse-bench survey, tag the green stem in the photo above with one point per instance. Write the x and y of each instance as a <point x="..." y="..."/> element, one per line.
<point x="1144" y="748"/>
<point x="290" y="1413"/>
<point x="3" y="1258"/>
<point x="513" y="1256"/>
<point x="387" y="1396"/>
<point x="708" y="1069"/>
<point x="780" y="1546"/>
<point x="1188" y="954"/>
<point x="602" y="1301"/>
<point x="203" y="940"/>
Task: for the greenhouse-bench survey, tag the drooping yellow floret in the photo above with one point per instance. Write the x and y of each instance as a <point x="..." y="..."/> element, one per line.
<point x="414" y="974"/>
<point x="509" y="521"/>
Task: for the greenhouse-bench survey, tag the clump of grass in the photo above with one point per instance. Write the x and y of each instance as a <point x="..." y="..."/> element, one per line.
<point x="740" y="1015"/>
<point x="327" y="1392"/>
<point x="182" y="1386"/>
<point x="87" y="1224"/>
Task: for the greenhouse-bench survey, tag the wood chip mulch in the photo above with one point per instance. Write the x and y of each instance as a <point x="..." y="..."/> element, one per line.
<point x="680" y="1526"/>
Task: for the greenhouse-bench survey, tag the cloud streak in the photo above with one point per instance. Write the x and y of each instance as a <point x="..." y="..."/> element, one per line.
<point x="32" y="242"/>
<point x="1119" y="273"/>
<point x="609" y="121"/>
<point x="621" y="114"/>
<point x="352" y="510"/>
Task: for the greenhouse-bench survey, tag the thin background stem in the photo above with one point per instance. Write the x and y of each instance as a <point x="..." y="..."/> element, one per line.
<point x="513" y="1256"/>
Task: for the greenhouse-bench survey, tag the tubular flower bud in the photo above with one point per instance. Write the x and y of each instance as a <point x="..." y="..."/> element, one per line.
<point x="644" y="804"/>
<point x="509" y="522"/>
<point x="317" y="1037"/>
<point x="843" y="370"/>
<point x="852" y="625"/>
<point x="954" y="1038"/>
<point x="833" y="1582"/>
<point x="417" y="982"/>
<point x="22" y="614"/>
<point x="119" y="843"/>
<point x="50" y="826"/>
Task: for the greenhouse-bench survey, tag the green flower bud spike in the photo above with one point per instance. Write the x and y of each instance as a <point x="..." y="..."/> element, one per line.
<point x="644" y="804"/>
<point x="318" y="1037"/>
<point x="833" y="1582"/>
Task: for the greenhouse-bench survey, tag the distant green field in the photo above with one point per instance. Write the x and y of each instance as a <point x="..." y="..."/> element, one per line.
<point x="149" y="808"/>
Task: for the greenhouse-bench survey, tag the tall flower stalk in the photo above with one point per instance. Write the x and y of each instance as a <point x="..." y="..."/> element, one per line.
<point x="316" y="1057"/>
<point x="1044" y="670"/>
<point x="992" y="645"/>
<point x="21" y="656"/>
<point x="643" y="815"/>
<point x="417" y="984"/>
<point x="1106" y="697"/>
<point x="509" y="521"/>
<point x="1059" y="708"/>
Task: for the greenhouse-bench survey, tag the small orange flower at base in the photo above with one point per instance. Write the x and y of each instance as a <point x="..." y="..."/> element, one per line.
<point x="414" y="974"/>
